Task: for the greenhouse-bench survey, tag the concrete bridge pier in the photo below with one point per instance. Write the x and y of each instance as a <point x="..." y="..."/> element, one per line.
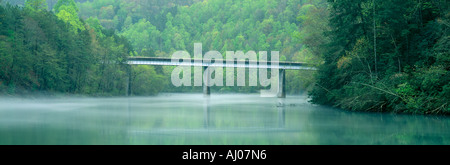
<point x="128" y="87"/>
<point x="281" y="86"/>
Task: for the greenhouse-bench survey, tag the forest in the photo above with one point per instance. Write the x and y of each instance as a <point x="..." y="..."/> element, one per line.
<point x="371" y="55"/>
<point x="44" y="51"/>
<point x="158" y="28"/>
<point x="386" y="56"/>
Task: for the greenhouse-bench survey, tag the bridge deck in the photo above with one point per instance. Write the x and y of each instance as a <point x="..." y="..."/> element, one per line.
<point x="220" y="63"/>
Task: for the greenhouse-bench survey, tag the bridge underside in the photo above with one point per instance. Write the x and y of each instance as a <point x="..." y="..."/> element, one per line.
<point x="281" y="66"/>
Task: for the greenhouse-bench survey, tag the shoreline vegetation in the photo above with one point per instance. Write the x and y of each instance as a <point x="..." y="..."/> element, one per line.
<point x="373" y="56"/>
<point x="386" y="56"/>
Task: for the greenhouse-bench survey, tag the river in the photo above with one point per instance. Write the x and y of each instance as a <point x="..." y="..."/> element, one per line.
<point x="222" y="119"/>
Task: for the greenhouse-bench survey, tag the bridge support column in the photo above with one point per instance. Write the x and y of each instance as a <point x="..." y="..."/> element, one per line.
<point x="281" y="86"/>
<point x="128" y="87"/>
<point x="206" y="88"/>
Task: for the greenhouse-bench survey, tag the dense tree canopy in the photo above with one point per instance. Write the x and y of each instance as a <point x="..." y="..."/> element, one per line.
<point x="159" y="28"/>
<point x="386" y="56"/>
<point x="218" y="24"/>
<point x="40" y="51"/>
<point x="38" y="5"/>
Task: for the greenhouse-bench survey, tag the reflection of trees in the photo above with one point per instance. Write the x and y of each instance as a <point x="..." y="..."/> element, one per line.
<point x="334" y="126"/>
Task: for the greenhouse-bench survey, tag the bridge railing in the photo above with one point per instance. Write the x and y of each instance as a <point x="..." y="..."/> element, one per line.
<point x="220" y="63"/>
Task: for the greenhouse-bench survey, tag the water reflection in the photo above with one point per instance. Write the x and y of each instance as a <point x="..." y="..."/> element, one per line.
<point x="206" y="112"/>
<point x="334" y="126"/>
<point x="281" y="112"/>
<point x="209" y="115"/>
<point x="219" y="119"/>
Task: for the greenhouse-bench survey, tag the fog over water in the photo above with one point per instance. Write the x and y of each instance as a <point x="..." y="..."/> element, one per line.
<point x="221" y="119"/>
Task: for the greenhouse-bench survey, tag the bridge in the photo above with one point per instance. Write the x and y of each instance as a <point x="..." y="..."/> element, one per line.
<point x="280" y="65"/>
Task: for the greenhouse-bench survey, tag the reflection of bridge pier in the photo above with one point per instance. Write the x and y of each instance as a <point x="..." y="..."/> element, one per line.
<point x="281" y="113"/>
<point x="281" y="66"/>
<point x="206" y="113"/>
<point x="208" y="117"/>
<point x="206" y="87"/>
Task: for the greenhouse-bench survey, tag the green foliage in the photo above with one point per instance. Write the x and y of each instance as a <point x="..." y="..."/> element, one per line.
<point x="388" y="56"/>
<point x="67" y="11"/>
<point x="36" y="5"/>
<point x="142" y="35"/>
<point x="146" y="81"/>
<point x="177" y="25"/>
<point x="159" y="28"/>
<point x="39" y="52"/>
<point x="94" y="23"/>
<point x="68" y="3"/>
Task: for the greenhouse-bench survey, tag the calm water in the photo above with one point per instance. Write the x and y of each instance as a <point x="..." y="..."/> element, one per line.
<point x="221" y="119"/>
